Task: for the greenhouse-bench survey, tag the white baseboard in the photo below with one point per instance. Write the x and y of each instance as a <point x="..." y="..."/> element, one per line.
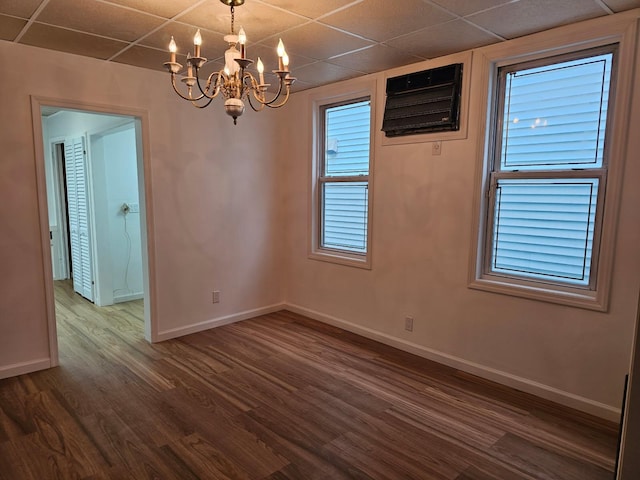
<point x="529" y="386"/>
<point x="217" y="322"/>
<point x="24" y="367"/>
<point x="128" y="297"/>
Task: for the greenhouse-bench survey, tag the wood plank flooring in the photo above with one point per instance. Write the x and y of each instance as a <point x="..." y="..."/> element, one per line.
<point x="276" y="397"/>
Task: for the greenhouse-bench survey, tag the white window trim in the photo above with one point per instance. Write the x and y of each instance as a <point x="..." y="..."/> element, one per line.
<point x="621" y="29"/>
<point x="343" y="92"/>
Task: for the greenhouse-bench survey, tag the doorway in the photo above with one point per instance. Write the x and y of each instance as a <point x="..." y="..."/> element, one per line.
<point x="112" y="156"/>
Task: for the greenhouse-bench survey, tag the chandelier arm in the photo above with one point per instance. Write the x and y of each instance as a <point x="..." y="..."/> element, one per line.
<point x="278" y="105"/>
<point x="204" y="105"/>
<point x="261" y="107"/>
<point x="264" y="100"/>
<point x="185" y="97"/>
<point x="272" y="103"/>
<point x="210" y="82"/>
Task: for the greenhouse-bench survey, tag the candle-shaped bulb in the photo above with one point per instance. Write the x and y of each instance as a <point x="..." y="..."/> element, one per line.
<point x="285" y="61"/>
<point x="173" y="48"/>
<point x="260" y="67"/>
<point x="281" y="53"/>
<point x="197" y="41"/>
<point x="242" y="39"/>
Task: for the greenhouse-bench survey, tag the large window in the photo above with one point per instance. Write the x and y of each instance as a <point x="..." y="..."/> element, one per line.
<point x="342" y="180"/>
<point x="548" y="172"/>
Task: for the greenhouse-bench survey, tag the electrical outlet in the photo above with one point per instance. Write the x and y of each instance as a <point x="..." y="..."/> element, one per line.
<point x="216" y="296"/>
<point x="408" y="324"/>
<point x="436" y="148"/>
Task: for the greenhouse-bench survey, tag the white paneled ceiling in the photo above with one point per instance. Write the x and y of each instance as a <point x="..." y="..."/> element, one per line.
<point x="327" y="40"/>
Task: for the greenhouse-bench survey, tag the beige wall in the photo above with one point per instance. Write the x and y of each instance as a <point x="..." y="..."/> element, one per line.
<point x="215" y="199"/>
<point x="423" y="211"/>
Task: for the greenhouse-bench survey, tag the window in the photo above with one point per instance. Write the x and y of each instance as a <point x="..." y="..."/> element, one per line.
<point x="342" y="198"/>
<point x="548" y="173"/>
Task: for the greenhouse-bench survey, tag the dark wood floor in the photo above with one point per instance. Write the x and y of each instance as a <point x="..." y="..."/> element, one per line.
<point x="277" y="397"/>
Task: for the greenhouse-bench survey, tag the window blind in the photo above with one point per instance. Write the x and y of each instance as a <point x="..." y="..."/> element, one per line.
<point x="344" y="194"/>
<point x="555" y="116"/>
<point x="544" y="228"/>
<point x="544" y="201"/>
<point x="345" y="216"/>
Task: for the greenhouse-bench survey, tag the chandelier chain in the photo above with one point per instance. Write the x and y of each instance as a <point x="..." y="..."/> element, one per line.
<point x="233" y="19"/>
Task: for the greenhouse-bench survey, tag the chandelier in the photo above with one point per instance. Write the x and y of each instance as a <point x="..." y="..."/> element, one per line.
<point x="234" y="82"/>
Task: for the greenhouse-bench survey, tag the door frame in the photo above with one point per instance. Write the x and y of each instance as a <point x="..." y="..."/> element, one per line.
<point x="143" y="146"/>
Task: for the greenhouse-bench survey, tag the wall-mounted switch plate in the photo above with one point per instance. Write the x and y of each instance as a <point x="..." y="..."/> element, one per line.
<point x="408" y="324"/>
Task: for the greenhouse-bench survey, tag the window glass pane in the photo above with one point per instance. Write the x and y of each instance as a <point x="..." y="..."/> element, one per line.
<point x="543" y="228"/>
<point x="555" y="115"/>
<point x="347" y="130"/>
<point x="344" y="219"/>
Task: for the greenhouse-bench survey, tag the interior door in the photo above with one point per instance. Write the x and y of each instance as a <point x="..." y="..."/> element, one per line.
<point x="78" y="204"/>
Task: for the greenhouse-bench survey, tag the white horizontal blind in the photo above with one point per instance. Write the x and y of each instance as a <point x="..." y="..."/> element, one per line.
<point x="544" y="228"/>
<point x="344" y="177"/>
<point x="345" y="215"/>
<point x="555" y="115"/>
<point x="545" y="204"/>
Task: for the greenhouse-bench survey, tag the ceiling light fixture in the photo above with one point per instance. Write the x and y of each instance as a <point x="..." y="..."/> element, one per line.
<point x="233" y="81"/>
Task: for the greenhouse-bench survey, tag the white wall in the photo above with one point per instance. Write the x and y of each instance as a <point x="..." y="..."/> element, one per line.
<point x="57" y="127"/>
<point x="423" y="209"/>
<point x="122" y="187"/>
<point x="216" y="220"/>
<point x="114" y="174"/>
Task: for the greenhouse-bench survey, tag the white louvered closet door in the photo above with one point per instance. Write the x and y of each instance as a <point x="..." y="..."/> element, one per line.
<point x="78" y="205"/>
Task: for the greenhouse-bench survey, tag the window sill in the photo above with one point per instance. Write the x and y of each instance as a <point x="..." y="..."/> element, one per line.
<point x="571" y="297"/>
<point x="342" y="258"/>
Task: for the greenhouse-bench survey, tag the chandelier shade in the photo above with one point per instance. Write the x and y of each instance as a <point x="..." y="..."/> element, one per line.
<point x="234" y="82"/>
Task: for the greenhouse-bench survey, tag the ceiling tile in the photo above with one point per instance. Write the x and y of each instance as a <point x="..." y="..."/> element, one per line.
<point x="320" y="42"/>
<point x="98" y="18"/>
<point x="529" y="16"/>
<point x="55" y="38"/>
<point x="258" y="20"/>
<point x="214" y="65"/>
<point x="375" y="59"/>
<point x="212" y="42"/>
<point x="321" y="73"/>
<point x="622" y="5"/>
<point x="299" y="86"/>
<point x="443" y="39"/>
<point x="465" y="7"/>
<point x="381" y="19"/>
<point x="19" y="8"/>
<point x="155" y="7"/>
<point x="147" y="58"/>
<point x="10" y="27"/>
<point x="269" y="56"/>
<point x="310" y="9"/>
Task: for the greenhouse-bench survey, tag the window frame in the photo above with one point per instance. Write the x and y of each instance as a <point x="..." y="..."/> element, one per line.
<point x="571" y="43"/>
<point x="363" y="91"/>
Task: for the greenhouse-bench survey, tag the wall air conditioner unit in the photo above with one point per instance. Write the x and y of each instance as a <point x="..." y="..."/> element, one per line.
<point x="423" y="102"/>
